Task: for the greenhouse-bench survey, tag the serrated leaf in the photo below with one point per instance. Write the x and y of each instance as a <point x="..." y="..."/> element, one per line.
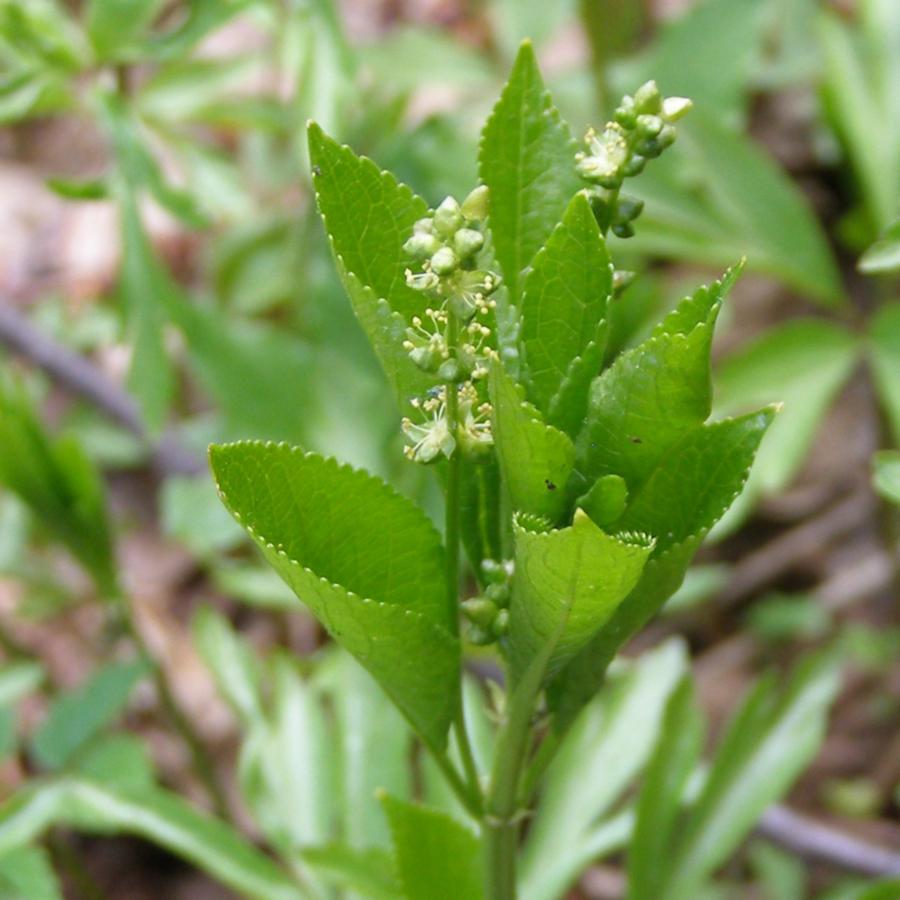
<point x="884" y="358"/>
<point x="700" y="478"/>
<point x="156" y="815"/>
<point x="564" y="299"/>
<point x="714" y="460"/>
<point x="662" y="794"/>
<point x="368" y="215"/>
<point x="527" y="159"/>
<point x="74" y="718"/>
<point x="379" y="592"/>
<point x="567" y="584"/>
<point x="605" y="502"/>
<point x="652" y="395"/>
<point x="437" y="858"/>
<point x="535" y="459"/>
<point x="770" y="741"/>
<point x="569" y="404"/>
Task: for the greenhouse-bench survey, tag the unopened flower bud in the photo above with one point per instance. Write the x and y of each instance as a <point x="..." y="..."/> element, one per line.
<point x="621" y="279"/>
<point x="467" y="242"/>
<point x="634" y="166"/>
<point x="649" y="126"/>
<point x="444" y="261"/>
<point x="498" y="593"/>
<point x="500" y="625"/>
<point x="674" y="108"/>
<point x="623" y="229"/>
<point x="666" y="137"/>
<point x="450" y="370"/>
<point x="647" y="98"/>
<point x="479" y="611"/>
<point x="423" y="226"/>
<point x="421" y="245"/>
<point x="625" y="113"/>
<point x="475" y="207"/>
<point x="447" y="218"/>
<point x="628" y="208"/>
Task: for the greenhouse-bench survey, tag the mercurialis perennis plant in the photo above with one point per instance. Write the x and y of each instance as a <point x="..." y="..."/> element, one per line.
<point x="577" y="483"/>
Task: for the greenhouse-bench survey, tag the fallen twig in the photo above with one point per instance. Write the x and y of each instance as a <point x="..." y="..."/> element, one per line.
<point x="82" y="377"/>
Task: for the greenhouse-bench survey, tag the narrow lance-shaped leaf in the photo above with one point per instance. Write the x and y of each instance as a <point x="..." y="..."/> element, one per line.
<point x="156" y="815"/>
<point x="535" y="459"/>
<point x="663" y="790"/>
<point x="563" y="305"/>
<point x="769" y="743"/>
<point x="437" y="857"/>
<point x="527" y="159"/>
<point x="567" y="584"/>
<point x="378" y="591"/>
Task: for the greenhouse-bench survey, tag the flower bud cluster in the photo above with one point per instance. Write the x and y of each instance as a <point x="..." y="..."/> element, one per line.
<point x="450" y="340"/>
<point x="641" y="129"/>
<point x="488" y="614"/>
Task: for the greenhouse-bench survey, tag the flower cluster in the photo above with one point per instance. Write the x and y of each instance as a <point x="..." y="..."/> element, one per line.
<point x="488" y="615"/>
<point x="450" y="340"/>
<point x="641" y="129"/>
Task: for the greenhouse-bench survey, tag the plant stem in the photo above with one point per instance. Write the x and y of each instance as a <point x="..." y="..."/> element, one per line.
<point x="501" y="821"/>
<point x="538" y="766"/>
<point x="471" y="801"/>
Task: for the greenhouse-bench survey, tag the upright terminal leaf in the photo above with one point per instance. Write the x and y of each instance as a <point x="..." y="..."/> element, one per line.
<point x="563" y="305"/>
<point x="663" y="791"/>
<point x="379" y="592"/>
<point x="368" y="216"/>
<point x="770" y="741"/>
<point x="437" y="858"/>
<point x="652" y="395"/>
<point x="567" y="584"/>
<point x="527" y="159"/>
<point x="535" y="459"/>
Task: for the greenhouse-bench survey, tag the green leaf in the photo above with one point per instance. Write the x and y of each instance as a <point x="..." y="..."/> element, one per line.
<point x="370" y="871"/>
<point x="191" y="513"/>
<point x="662" y="794"/>
<point x="781" y="875"/>
<point x="605" y="502"/>
<point x="803" y="364"/>
<point x="715" y="74"/>
<point x="688" y="493"/>
<point x="374" y="753"/>
<point x="567" y="584"/>
<point x="884" y="358"/>
<point x="596" y="764"/>
<point x="26" y="873"/>
<point x="114" y="26"/>
<point x="74" y="718"/>
<point x="368" y="216"/>
<point x="652" y="395"/>
<point x="437" y="858"/>
<point x="695" y="483"/>
<point x="58" y="483"/>
<point x="886" y="475"/>
<point x="535" y="459"/>
<point x="380" y="593"/>
<point x="718" y="196"/>
<point x="564" y="299"/>
<point x="527" y="159"/>
<point x="884" y="254"/>
<point x="770" y="741"/>
<point x="157" y="816"/>
<point x="117" y="760"/>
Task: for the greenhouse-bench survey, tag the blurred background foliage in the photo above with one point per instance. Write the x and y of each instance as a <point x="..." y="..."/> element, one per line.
<point x="166" y="282"/>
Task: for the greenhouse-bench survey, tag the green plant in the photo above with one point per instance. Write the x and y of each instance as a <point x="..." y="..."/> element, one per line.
<point x="579" y="495"/>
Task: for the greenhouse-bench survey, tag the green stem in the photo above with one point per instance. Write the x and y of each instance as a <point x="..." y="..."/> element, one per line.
<point x="464" y="793"/>
<point x="538" y="766"/>
<point x="501" y="822"/>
